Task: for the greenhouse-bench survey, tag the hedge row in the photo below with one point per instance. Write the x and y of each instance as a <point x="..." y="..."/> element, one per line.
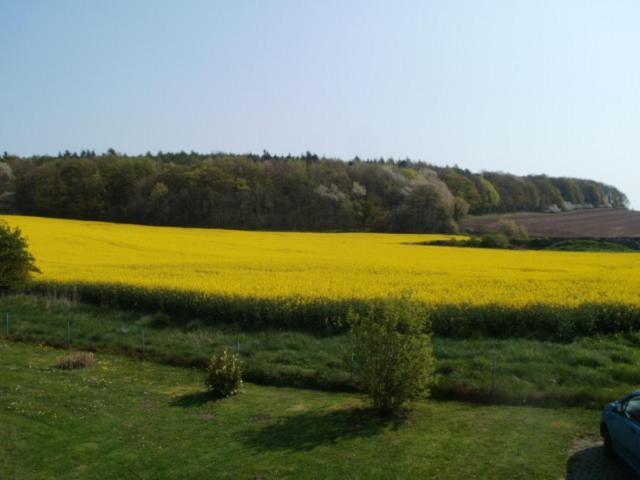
<point x="536" y="321"/>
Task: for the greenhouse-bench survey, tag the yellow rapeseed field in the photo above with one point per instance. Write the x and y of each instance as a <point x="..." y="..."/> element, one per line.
<point x="323" y="265"/>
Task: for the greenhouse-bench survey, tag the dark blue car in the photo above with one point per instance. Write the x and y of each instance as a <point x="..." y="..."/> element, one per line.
<point x="620" y="429"/>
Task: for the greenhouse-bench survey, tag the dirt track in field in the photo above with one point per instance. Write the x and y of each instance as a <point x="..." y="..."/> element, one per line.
<point x="598" y="223"/>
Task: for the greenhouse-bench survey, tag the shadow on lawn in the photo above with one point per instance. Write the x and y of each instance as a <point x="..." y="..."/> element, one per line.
<point x="312" y="429"/>
<point x="590" y="463"/>
<point x="192" y="400"/>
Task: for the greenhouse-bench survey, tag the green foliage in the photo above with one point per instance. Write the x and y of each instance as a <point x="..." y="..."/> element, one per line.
<point x="326" y="316"/>
<point x="279" y="193"/>
<point x="158" y="191"/>
<point x="158" y="319"/>
<point x="519" y="239"/>
<point x="589" y="246"/>
<point x="224" y="374"/>
<point x="583" y="371"/>
<point x="70" y="188"/>
<point x="16" y="263"/>
<point x="513" y="230"/>
<point x="6" y="177"/>
<point x="425" y="209"/>
<point x="490" y="198"/>
<point x="392" y="355"/>
<point x="494" y="240"/>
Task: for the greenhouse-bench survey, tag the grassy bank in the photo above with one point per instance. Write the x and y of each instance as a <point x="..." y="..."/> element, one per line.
<point x="324" y="315"/>
<point x="586" y="372"/>
<point x="129" y="419"/>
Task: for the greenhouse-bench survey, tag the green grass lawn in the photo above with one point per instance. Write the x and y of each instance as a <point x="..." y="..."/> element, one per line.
<point x="124" y="418"/>
<point x="588" y="371"/>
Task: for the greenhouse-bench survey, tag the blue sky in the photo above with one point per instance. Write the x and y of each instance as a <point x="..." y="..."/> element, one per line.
<point x="520" y="86"/>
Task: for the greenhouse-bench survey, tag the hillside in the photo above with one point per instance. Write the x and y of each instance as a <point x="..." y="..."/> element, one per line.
<point x="293" y="193"/>
<point x="594" y="223"/>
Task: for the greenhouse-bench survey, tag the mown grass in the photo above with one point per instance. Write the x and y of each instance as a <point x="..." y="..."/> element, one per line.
<point x="587" y="371"/>
<point x="129" y="419"/>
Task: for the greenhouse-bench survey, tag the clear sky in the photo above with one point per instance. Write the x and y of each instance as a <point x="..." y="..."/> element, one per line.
<point x="529" y="86"/>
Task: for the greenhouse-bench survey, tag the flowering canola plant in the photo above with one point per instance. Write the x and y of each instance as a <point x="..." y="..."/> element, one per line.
<point x="323" y="265"/>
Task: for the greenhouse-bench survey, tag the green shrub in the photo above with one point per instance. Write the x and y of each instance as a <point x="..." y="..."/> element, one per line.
<point x="589" y="246"/>
<point x="494" y="240"/>
<point x="224" y="375"/>
<point x="16" y="263"/>
<point x="513" y="230"/>
<point x="392" y="355"/>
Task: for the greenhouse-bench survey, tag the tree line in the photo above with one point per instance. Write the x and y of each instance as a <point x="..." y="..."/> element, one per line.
<point x="303" y="192"/>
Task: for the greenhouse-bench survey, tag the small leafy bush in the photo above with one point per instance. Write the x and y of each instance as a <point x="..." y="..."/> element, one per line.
<point x="75" y="361"/>
<point x="224" y="375"/>
<point x="16" y="263"/>
<point x="495" y="240"/>
<point x="392" y="354"/>
<point x="513" y="230"/>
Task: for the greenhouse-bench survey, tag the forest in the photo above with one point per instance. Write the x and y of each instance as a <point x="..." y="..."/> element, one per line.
<point x="268" y="192"/>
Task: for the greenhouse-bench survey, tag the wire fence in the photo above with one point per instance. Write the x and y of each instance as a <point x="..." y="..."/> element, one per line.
<point x="103" y="335"/>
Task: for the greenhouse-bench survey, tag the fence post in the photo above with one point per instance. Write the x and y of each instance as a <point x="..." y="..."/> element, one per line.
<point x="352" y="364"/>
<point x="238" y="346"/>
<point x="493" y="377"/>
<point x="7" y="324"/>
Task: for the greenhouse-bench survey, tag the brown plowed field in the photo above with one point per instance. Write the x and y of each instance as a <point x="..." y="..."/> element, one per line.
<point x="596" y="223"/>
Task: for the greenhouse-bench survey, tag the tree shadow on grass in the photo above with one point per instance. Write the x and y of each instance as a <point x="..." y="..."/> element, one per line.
<point x="309" y="430"/>
<point x="191" y="400"/>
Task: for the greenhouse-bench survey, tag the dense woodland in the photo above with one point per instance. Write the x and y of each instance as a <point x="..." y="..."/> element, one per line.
<point x="303" y="192"/>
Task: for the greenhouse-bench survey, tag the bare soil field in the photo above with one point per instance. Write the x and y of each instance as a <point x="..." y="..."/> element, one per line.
<point x="597" y="223"/>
